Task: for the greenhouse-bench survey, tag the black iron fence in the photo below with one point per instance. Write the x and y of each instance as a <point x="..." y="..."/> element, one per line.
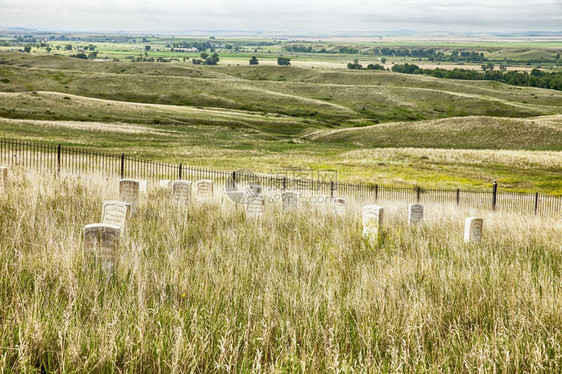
<point x="56" y="158"/>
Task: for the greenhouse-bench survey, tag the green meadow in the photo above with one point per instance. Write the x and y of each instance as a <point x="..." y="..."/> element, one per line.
<point x="268" y="117"/>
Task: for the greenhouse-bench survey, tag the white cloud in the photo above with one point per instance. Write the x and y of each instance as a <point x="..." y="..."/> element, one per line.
<point x="287" y="15"/>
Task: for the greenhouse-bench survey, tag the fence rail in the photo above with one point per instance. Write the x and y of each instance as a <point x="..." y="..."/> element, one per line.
<point x="56" y="158"/>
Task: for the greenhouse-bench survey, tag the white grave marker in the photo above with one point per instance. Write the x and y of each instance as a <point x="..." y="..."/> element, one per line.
<point x="340" y="205"/>
<point x="204" y="189"/>
<point x="165" y="183"/>
<point x="290" y="199"/>
<point x="129" y="192"/>
<point x="181" y="192"/>
<point x="372" y="221"/>
<point x="102" y="242"/>
<point x="473" y="229"/>
<point x="415" y="214"/>
<point x="256" y="207"/>
<point x="116" y="213"/>
<point x="3" y="178"/>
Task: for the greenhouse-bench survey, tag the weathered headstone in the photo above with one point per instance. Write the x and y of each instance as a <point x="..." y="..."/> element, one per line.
<point x="204" y="189"/>
<point x="3" y="178"/>
<point x="143" y="186"/>
<point x="102" y="242"/>
<point x="116" y="213"/>
<point x="340" y="205"/>
<point x="181" y="192"/>
<point x="415" y="214"/>
<point x="372" y="221"/>
<point x="129" y="190"/>
<point x="473" y="229"/>
<point x="165" y="183"/>
<point x="256" y="208"/>
<point x="290" y="199"/>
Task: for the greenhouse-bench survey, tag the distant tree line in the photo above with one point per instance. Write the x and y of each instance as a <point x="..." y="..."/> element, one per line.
<point x="309" y="49"/>
<point x="431" y="54"/>
<point x="201" y="46"/>
<point x="536" y="78"/>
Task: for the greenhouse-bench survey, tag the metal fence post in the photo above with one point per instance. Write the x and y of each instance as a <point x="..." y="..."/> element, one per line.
<point x="418" y="192"/>
<point x="331" y="188"/>
<point x="376" y="192"/>
<point x="180" y="171"/>
<point x="536" y="202"/>
<point x="58" y="158"/>
<point x="122" y="165"/>
<point x="494" y="194"/>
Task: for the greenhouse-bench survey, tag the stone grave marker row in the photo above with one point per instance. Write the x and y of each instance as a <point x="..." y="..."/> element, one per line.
<point x="473" y="229"/>
<point x="204" y="189"/>
<point x="372" y="218"/>
<point x="129" y="190"/>
<point x="181" y="192"/>
<point x="116" y="213"/>
<point x="415" y="214"/>
<point x="101" y="241"/>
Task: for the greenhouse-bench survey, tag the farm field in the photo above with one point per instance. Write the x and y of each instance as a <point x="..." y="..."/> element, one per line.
<point x="370" y="126"/>
<point x="206" y="290"/>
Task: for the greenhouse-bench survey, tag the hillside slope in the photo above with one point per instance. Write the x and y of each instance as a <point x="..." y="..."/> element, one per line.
<point x="475" y="132"/>
<point x="340" y="98"/>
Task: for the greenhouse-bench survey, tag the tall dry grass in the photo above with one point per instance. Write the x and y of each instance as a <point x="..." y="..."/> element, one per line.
<point x="205" y="290"/>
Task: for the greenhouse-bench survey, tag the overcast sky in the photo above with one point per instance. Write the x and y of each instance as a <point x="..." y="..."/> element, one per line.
<point x="319" y="16"/>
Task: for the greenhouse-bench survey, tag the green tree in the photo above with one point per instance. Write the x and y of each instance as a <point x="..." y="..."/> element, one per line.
<point x="48" y="49"/>
<point x="204" y="55"/>
<point x="211" y="60"/>
<point x="80" y="55"/>
<point x="68" y="47"/>
<point x="283" y="61"/>
<point x="254" y="61"/>
<point x="147" y="48"/>
<point x="27" y="48"/>
<point x="383" y="60"/>
<point x="355" y="64"/>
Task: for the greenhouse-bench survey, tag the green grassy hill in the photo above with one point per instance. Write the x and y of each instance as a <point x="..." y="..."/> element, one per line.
<point x="272" y="117"/>
<point x="342" y="98"/>
<point x="472" y="132"/>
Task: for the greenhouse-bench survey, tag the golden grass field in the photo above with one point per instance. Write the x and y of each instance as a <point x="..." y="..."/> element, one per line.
<point x="205" y="290"/>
